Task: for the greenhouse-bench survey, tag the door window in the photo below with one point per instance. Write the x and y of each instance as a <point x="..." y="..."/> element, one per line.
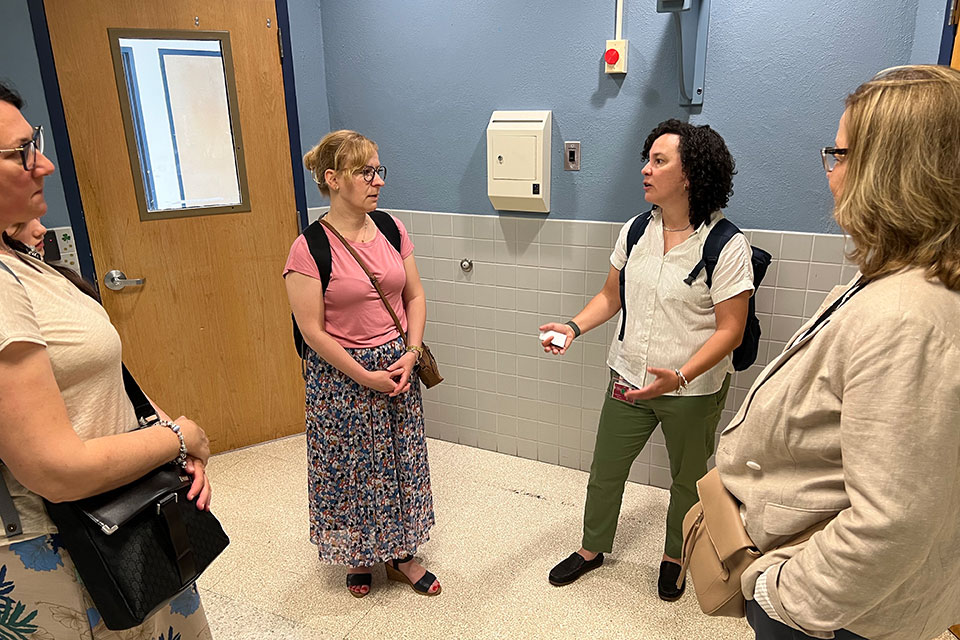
<point x="178" y="99"/>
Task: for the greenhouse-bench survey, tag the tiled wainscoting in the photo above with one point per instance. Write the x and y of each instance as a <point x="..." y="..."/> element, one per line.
<point x="501" y="391"/>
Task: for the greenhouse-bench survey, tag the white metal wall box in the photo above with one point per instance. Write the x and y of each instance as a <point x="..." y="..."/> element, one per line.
<point x="518" y="160"/>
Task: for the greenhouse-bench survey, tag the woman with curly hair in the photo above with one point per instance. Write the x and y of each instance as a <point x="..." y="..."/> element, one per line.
<point x="671" y="362"/>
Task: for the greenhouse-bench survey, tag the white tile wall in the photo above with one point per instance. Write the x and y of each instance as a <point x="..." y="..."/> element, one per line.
<point x="501" y="391"/>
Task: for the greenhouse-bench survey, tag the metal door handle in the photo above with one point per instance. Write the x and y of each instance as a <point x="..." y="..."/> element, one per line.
<point x="116" y="280"/>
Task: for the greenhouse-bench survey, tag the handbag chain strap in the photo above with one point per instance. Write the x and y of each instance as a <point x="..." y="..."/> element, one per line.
<point x="373" y="278"/>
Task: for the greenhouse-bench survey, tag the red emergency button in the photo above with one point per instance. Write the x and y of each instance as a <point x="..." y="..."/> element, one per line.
<point x="611" y="56"/>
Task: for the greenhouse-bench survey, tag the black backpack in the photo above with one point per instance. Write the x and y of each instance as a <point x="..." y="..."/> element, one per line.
<point x="319" y="246"/>
<point x="746" y="354"/>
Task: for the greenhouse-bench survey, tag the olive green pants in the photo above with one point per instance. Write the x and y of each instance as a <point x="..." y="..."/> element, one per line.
<point x="689" y="429"/>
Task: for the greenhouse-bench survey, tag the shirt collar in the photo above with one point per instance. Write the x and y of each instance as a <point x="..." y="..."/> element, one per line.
<point x="657" y="216"/>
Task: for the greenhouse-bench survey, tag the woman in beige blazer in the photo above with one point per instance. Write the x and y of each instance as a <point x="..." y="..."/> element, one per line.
<point x="857" y="422"/>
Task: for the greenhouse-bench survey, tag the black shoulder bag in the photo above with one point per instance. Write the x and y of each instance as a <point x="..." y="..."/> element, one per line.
<point x="136" y="547"/>
<point x="139" y="546"/>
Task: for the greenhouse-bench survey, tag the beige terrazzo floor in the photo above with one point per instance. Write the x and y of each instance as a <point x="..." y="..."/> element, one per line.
<point x="502" y="522"/>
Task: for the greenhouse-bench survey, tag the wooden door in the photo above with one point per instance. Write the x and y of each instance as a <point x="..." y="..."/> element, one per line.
<point x="955" y="63"/>
<point x="208" y="335"/>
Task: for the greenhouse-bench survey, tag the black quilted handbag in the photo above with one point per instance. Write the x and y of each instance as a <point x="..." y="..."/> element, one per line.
<point x="139" y="546"/>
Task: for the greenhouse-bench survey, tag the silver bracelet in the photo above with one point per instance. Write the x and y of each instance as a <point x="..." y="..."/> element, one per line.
<point x="681" y="381"/>
<point x="181" y="459"/>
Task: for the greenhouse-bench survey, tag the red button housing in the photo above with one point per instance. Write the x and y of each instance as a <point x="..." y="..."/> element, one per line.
<point x="611" y="56"/>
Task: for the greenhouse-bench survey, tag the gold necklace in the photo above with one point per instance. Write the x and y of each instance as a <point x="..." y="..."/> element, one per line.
<point x="363" y="229"/>
<point x="689" y="224"/>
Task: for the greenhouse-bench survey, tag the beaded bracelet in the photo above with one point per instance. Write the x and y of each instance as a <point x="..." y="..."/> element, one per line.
<point x="681" y="381"/>
<point x="415" y="349"/>
<point x="181" y="459"/>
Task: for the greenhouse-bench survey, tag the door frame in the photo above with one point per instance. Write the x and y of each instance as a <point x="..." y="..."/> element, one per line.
<point x="948" y="37"/>
<point x="61" y="136"/>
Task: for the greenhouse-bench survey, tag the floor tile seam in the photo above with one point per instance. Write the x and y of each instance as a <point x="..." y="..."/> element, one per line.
<point x="249" y="605"/>
<point x="209" y="584"/>
<point x="521" y="492"/>
<point x="213" y="589"/>
<point x="376" y="603"/>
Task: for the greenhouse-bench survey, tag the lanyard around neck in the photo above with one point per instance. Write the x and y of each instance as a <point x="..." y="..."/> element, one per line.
<point x="825" y="316"/>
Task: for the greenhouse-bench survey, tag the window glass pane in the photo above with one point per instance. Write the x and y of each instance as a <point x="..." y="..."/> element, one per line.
<point x="181" y="121"/>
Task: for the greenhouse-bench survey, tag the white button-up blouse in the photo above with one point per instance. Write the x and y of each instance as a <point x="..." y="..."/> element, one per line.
<point x="667" y="320"/>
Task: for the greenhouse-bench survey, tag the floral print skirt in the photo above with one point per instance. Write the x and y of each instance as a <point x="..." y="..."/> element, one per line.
<point x="41" y="597"/>
<point x="367" y="472"/>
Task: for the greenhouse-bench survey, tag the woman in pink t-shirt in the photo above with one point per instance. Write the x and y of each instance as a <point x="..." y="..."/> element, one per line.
<point x="369" y="481"/>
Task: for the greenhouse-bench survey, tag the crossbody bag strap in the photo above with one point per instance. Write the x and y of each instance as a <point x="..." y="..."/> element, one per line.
<point x="10" y="271"/>
<point x="373" y="278"/>
<point x="8" y="512"/>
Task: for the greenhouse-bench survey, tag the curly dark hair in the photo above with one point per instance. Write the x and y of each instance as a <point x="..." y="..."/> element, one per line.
<point x="706" y="162"/>
<point x="9" y="94"/>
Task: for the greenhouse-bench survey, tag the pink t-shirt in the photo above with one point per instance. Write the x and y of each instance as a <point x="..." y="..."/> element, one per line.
<point x="354" y="314"/>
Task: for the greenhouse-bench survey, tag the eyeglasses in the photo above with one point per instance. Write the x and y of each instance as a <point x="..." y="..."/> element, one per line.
<point x="369" y="171"/>
<point x="831" y="156"/>
<point x="28" y="151"/>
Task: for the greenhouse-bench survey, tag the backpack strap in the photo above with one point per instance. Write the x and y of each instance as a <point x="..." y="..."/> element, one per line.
<point x="319" y="246"/>
<point x="388" y="227"/>
<point x="637" y="228"/>
<point x="721" y="233"/>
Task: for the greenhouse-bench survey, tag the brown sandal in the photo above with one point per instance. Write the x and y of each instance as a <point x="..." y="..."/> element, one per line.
<point x="421" y="586"/>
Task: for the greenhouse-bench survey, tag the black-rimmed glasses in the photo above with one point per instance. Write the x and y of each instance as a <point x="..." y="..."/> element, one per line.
<point x="369" y="171"/>
<point x="831" y="156"/>
<point x="28" y="151"/>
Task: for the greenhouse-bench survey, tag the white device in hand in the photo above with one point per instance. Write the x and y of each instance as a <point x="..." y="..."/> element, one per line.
<point x="556" y="339"/>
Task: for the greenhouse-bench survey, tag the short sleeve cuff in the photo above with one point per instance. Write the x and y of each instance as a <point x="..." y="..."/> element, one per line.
<point x="731" y="290"/>
<point x="6" y="342"/>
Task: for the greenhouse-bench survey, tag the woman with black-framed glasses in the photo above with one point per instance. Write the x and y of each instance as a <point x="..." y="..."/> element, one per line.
<point x="28" y="150"/>
<point x="67" y="428"/>
<point x="370" y="495"/>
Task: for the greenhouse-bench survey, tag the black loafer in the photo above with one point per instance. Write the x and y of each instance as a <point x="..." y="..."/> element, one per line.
<point x="667" y="583"/>
<point x="572" y="568"/>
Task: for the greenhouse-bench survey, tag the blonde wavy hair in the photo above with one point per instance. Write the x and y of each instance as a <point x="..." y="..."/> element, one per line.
<point x="344" y="151"/>
<point x="900" y="200"/>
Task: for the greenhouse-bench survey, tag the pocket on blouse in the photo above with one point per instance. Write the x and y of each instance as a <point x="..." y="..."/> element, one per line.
<point x="784" y="520"/>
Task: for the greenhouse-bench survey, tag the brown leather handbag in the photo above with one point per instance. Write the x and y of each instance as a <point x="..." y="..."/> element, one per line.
<point x="717" y="549"/>
<point x="427" y="367"/>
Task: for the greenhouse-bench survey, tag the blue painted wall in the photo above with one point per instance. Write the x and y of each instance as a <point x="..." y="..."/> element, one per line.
<point x="422" y="79"/>
<point x="19" y="66"/>
<point x="306" y="35"/>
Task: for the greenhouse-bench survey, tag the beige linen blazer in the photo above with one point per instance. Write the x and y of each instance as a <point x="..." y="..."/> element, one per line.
<point x="860" y="423"/>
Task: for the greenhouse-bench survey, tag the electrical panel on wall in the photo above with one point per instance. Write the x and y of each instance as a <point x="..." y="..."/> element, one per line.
<point x="518" y="160"/>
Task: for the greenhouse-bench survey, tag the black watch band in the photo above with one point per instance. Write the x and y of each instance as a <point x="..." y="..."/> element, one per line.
<point x="576" y="329"/>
